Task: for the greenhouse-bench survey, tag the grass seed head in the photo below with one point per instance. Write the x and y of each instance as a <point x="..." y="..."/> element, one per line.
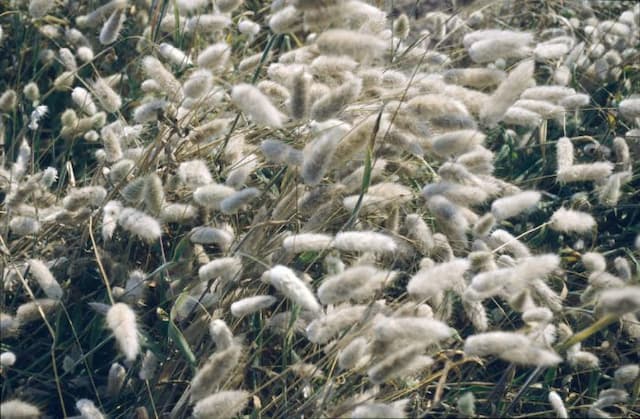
<point x="112" y="27"/>
<point x="249" y="305"/>
<point x="17" y="409"/>
<point x="565" y="220"/>
<point x="121" y="319"/>
<point x="213" y="373"/>
<point x="45" y="279"/>
<point x="140" y="224"/>
<point x="223" y="404"/>
<point x="288" y="283"/>
<point x="364" y="241"/>
<point x="256" y="106"/>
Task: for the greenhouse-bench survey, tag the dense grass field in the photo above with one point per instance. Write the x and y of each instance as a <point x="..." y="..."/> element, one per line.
<point x="319" y="208"/>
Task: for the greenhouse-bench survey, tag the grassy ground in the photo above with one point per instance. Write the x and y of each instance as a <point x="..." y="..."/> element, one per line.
<point x="65" y="354"/>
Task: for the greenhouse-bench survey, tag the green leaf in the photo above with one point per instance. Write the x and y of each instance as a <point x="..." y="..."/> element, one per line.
<point x="176" y="335"/>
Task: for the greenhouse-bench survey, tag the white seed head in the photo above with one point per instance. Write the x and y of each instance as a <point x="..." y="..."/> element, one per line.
<point x="212" y="195"/>
<point x="198" y="83"/>
<point x="456" y="142"/>
<point x="364" y="241"/>
<point x="357" y="283"/>
<point x="358" y="45"/>
<point x="234" y="202"/>
<point x="41" y="273"/>
<point x="251" y="305"/>
<point x="29" y="312"/>
<point x="507" y="93"/>
<point x="513" y="205"/>
<point x="194" y="173"/>
<point x="140" y="224"/>
<point x="214" y="56"/>
<point x="166" y="80"/>
<point x="627" y="374"/>
<point x="227" y="268"/>
<point x="306" y="242"/>
<point x="221" y="334"/>
<point x="7" y="359"/>
<point x="108" y="98"/>
<point x="23" y="225"/>
<point x="566" y="221"/>
<point x="112" y="27"/>
<point x="396" y="409"/>
<point x="429" y="282"/>
<point x="288" y="283"/>
<point x="620" y="300"/>
<point x="405" y="361"/>
<point x="256" y="106"/>
<point x="15" y="409"/>
<point x="630" y="108"/>
<point x="213" y="373"/>
<point x="558" y="405"/>
<point x="122" y="321"/>
<point x="223" y="404"/>
<point x="354" y="355"/>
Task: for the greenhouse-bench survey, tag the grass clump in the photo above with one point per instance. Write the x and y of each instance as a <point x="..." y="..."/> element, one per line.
<point x="319" y="209"/>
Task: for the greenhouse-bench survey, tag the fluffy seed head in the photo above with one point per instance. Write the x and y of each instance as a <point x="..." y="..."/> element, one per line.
<point x="23" y="226"/>
<point x="356" y="283"/>
<point x="307" y="242"/>
<point x="234" y="202"/>
<point x="156" y="70"/>
<point x="630" y="108"/>
<point x="226" y="268"/>
<point x="221" y="334"/>
<point x="287" y="19"/>
<point x="594" y="262"/>
<point x="29" y="312"/>
<point x="558" y="405"/>
<point x="222" y="237"/>
<point x="45" y="279"/>
<point x="353" y="354"/>
<point x="108" y="98"/>
<point x="140" y="224"/>
<point x="122" y="321"/>
<point x="381" y="410"/>
<point x="198" y="83"/>
<point x="457" y="142"/>
<point x="212" y="195"/>
<point x="566" y="221"/>
<point x="513" y="205"/>
<point x="250" y="305"/>
<point x="194" y="173"/>
<point x="564" y="153"/>
<point x="288" y="283"/>
<point x="364" y="241"/>
<point x="317" y="157"/>
<point x="507" y="93"/>
<point x="406" y="360"/>
<point x="223" y="404"/>
<point x="492" y="343"/>
<point x="112" y="27"/>
<point x="256" y="106"/>
<point x="7" y="359"/>
<point x="620" y="300"/>
<point x="360" y="46"/>
<point x="17" y="409"/>
<point x="213" y="373"/>
<point x="174" y="55"/>
<point x="427" y="283"/>
<point x="214" y="56"/>
<point x="337" y="99"/>
<point x="627" y="374"/>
